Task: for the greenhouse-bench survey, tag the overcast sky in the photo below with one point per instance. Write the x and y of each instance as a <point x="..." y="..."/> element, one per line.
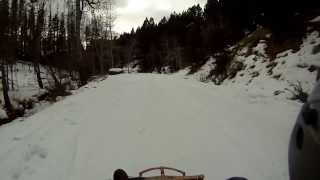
<point x="132" y="13"/>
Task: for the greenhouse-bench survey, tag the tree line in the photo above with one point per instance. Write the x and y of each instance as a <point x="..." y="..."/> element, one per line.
<point x="51" y="35"/>
<point x="188" y="38"/>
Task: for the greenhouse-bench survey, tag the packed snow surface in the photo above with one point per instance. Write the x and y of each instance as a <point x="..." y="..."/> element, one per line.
<point x="137" y="121"/>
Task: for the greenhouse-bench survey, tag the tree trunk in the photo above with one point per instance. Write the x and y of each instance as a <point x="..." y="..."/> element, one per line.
<point x="111" y="45"/>
<point x="37" y="44"/>
<point x="100" y="56"/>
<point x="54" y="77"/>
<point x="78" y="55"/>
<point x="38" y="74"/>
<point x="12" y="77"/>
<point x="110" y="19"/>
<point x="7" y="76"/>
<point x="37" y="56"/>
<point x="5" y="89"/>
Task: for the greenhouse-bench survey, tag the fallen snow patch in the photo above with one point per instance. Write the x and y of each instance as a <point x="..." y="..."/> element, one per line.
<point x="205" y="70"/>
<point x="3" y="114"/>
<point x="316" y="19"/>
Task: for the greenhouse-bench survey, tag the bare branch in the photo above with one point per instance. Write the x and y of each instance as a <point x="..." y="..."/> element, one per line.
<point x="92" y="3"/>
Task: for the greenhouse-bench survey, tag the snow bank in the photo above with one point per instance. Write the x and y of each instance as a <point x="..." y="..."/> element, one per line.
<point x="26" y="90"/>
<point x="264" y="77"/>
<point x="286" y="69"/>
<point x="132" y="67"/>
<point x="316" y="19"/>
<point x="3" y="114"/>
<point x="205" y="70"/>
<point x="118" y="70"/>
<point x="114" y="71"/>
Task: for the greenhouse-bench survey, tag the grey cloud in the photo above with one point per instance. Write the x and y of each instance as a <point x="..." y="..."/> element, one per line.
<point x="128" y="20"/>
<point x="121" y="3"/>
<point x="132" y="20"/>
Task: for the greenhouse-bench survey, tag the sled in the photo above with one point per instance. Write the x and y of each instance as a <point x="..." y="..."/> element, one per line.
<point x="163" y="176"/>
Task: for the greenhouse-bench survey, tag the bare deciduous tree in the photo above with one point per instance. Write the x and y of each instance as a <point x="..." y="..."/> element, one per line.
<point x="39" y="7"/>
<point x="80" y="6"/>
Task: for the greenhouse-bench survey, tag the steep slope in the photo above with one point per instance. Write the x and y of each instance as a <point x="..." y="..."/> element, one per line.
<point x="139" y="121"/>
<point x="254" y="71"/>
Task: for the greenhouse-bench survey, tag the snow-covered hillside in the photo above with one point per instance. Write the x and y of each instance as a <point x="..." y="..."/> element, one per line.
<point x="25" y="87"/>
<point x="260" y="76"/>
<point x="287" y="68"/>
<point x="136" y="121"/>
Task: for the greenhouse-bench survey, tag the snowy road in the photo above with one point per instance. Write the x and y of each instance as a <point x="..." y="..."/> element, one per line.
<point x="140" y="121"/>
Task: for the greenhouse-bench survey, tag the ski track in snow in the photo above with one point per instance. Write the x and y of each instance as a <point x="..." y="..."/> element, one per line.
<point x="144" y="120"/>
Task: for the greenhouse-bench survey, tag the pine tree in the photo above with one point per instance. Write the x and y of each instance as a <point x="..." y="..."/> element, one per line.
<point x="22" y="21"/>
<point x="62" y="34"/>
<point x="212" y="12"/>
<point x="14" y="17"/>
